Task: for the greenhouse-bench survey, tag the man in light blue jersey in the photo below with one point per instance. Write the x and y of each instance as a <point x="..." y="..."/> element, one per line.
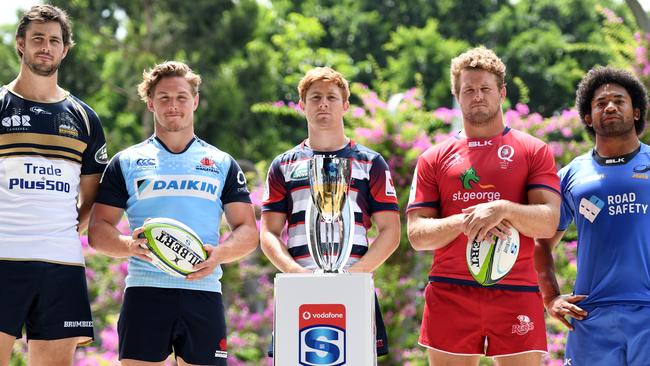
<point x="607" y="193"/>
<point x="162" y="313"/>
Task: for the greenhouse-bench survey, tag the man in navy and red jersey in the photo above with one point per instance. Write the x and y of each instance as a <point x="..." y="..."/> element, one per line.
<point x="324" y="98"/>
<point x="606" y="191"/>
<point x="480" y="183"/>
<point x="52" y="153"/>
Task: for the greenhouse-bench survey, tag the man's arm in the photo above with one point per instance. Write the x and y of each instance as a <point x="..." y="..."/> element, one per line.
<point x="272" y="245"/>
<point x="241" y="241"/>
<point x="104" y="236"/>
<point x="387" y="240"/>
<point x="537" y="219"/>
<point x="426" y="231"/>
<point x="88" y="185"/>
<point x="557" y="305"/>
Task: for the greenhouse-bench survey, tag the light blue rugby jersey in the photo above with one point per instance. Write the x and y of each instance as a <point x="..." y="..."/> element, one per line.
<point x="609" y="199"/>
<point x="149" y="181"/>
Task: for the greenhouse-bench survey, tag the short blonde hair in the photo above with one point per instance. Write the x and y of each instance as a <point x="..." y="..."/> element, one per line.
<point x="323" y="74"/>
<point x="166" y="69"/>
<point x="479" y="58"/>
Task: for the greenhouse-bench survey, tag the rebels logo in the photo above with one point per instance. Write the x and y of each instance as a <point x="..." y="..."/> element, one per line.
<point x="322" y="334"/>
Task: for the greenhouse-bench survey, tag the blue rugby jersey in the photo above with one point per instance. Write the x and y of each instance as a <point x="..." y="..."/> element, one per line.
<point x="149" y="181"/>
<point x="287" y="191"/>
<point x="608" y="198"/>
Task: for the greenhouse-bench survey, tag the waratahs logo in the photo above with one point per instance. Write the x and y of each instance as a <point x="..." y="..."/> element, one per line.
<point x="322" y="334"/>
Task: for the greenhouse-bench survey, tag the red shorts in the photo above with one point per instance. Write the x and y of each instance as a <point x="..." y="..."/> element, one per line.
<point x="468" y="320"/>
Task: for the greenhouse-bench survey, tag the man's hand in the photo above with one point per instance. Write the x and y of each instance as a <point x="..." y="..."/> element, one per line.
<point x="564" y="305"/>
<point x="137" y="247"/>
<point x="206" y="267"/>
<point x="485" y="219"/>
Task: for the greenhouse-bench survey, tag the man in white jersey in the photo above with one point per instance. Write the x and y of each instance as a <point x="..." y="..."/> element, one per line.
<point x="162" y="313"/>
<point x="52" y="153"/>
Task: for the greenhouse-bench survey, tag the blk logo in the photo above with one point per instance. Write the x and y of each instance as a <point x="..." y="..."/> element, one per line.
<point x="322" y="334"/>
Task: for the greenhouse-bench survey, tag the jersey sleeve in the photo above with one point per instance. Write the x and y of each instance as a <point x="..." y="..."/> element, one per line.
<point x="235" y="189"/>
<point x="567" y="211"/>
<point x="112" y="187"/>
<point x="542" y="171"/>
<point x="275" y="190"/>
<point x="383" y="196"/>
<point x="424" y="188"/>
<point x="95" y="157"/>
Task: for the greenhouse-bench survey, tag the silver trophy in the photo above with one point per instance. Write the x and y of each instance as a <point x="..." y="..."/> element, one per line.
<point x="329" y="220"/>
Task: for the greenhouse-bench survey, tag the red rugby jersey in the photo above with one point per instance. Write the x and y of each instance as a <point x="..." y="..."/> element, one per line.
<point x="461" y="172"/>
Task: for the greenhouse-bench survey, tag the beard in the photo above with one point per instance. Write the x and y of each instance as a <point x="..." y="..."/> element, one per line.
<point x="480" y="116"/>
<point x="40" y="68"/>
<point x="619" y="128"/>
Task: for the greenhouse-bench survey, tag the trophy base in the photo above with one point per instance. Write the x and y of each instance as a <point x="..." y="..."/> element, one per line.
<point x="332" y="309"/>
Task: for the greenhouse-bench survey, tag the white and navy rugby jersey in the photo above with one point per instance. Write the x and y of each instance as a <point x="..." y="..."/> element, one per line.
<point x="149" y="181"/>
<point x="609" y="198"/>
<point x="287" y="191"/>
<point x="44" y="148"/>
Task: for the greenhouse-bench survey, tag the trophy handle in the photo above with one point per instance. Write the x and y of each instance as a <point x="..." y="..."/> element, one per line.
<point x="347" y="223"/>
<point x="311" y="220"/>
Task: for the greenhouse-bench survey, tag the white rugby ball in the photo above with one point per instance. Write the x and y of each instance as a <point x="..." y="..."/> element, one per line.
<point x="174" y="247"/>
<point x="492" y="259"/>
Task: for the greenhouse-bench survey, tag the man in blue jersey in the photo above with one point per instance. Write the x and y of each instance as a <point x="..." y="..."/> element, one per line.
<point x="162" y="313"/>
<point x="607" y="193"/>
<point x="52" y="153"/>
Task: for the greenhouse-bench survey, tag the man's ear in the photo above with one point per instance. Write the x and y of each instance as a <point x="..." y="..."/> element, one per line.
<point x="20" y="44"/>
<point x="301" y="104"/>
<point x="637" y="114"/>
<point x="346" y="106"/>
<point x="588" y="120"/>
<point x="150" y="105"/>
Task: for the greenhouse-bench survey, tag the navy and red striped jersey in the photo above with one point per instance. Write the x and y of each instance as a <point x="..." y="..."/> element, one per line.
<point x="287" y="191"/>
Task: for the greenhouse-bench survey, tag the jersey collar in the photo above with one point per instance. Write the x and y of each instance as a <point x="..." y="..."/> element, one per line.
<point x="615" y="160"/>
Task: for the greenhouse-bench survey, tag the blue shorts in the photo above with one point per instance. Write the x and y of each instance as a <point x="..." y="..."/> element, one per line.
<point x="611" y="335"/>
<point x="49" y="299"/>
<point x="156" y="321"/>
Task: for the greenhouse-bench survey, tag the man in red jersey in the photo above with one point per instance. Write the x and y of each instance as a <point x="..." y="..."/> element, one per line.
<point x="480" y="183"/>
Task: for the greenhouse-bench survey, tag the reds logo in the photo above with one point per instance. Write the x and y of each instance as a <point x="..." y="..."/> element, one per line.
<point x="524" y="325"/>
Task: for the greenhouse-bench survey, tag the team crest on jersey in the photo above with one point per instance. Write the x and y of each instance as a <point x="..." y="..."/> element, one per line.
<point x="524" y="326"/>
<point x="68" y="130"/>
<point x="207" y="164"/>
<point x="322" y="330"/>
<point x="505" y="153"/>
<point x="640" y="172"/>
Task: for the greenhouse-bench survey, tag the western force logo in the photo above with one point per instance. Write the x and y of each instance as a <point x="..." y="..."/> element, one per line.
<point x="322" y="334"/>
<point x="590" y="208"/>
<point x="640" y="172"/>
<point x="524" y="326"/>
<point x="177" y="185"/>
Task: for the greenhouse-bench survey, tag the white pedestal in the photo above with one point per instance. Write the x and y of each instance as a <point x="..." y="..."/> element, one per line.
<point x="325" y="320"/>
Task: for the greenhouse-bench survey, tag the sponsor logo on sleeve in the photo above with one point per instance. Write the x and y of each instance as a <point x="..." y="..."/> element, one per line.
<point x="390" y="187"/>
<point x="101" y="156"/>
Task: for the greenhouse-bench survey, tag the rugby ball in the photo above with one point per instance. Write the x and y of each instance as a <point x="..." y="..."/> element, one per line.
<point x="174" y="247"/>
<point x="491" y="260"/>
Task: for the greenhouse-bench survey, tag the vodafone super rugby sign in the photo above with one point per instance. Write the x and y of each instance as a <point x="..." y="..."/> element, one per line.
<point x="322" y="334"/>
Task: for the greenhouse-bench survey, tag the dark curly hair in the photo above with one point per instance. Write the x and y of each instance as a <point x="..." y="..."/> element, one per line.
<point x="42" y="14"/>
<point x="608" y="75"/>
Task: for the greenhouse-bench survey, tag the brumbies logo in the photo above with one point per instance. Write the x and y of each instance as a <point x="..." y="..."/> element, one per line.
<point x="322" y="334"/>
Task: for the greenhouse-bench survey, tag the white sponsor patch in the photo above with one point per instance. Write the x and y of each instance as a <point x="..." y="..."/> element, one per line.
<point x="177" y="185"/>
<point x="390" y="187"/>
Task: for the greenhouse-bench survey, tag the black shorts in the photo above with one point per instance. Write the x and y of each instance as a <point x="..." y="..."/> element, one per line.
<point x="381" y="336"/>
<point x="156" y="321"/>
<point x="50" y="300"/>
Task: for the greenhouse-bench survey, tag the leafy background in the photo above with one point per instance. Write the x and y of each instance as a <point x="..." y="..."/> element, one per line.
<point x="251" y="55"/>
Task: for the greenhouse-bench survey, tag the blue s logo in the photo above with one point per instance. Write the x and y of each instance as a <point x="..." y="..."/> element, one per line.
<point x="323" y="346"/>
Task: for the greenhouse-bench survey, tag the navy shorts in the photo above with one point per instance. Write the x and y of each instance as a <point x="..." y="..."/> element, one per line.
<point x="610" y="335"/>
<point x="50" y="300"/>
<point x="381" y="336"/>
<point x="156" y="321"/>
